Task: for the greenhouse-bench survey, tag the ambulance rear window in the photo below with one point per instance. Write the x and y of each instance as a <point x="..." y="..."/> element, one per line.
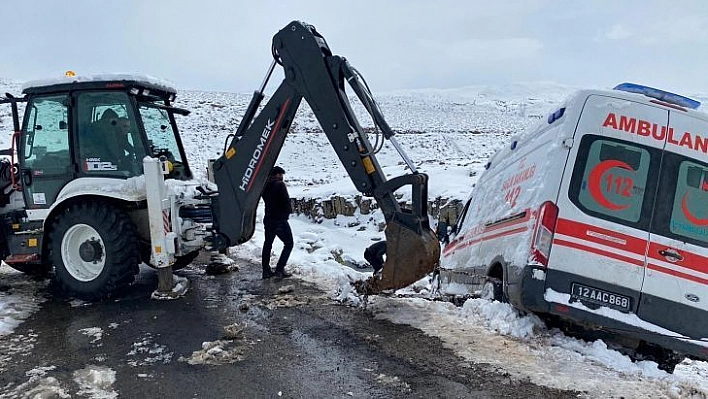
<point x="622" y="153"/>
<point x="611" y="178"/>
<point x="689" y="211"/>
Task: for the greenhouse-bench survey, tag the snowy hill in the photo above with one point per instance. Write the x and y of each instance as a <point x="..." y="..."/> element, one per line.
<point x="446" y="133"/>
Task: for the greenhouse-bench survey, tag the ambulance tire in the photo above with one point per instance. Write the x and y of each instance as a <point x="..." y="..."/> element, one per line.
<point x="493" y="290"/>
<point x="669" y="364"/>
<point x="95" y="250"/>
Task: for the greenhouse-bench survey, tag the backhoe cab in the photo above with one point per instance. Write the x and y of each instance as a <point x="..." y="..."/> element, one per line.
<point x="86" y="187"/>
<point x="314" y="74"/>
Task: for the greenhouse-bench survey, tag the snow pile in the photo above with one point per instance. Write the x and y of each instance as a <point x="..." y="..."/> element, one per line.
<point x="19" y="298"/>
<point x="147" y="353"/>
<point x="96" y="382"/>
<point x="95" y="333"/>
<point x="501" y="317"/>
<point x="215" y="353"/>
<point x="39" y="385"/>
<point x="228" y="349"/>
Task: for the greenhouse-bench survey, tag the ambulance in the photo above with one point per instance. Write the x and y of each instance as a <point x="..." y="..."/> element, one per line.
<point x="597" y="220"/>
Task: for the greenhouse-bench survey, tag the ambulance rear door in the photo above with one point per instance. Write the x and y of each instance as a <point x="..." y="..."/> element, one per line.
<point x="605" y="203"/>
<point x="675" y="291"/>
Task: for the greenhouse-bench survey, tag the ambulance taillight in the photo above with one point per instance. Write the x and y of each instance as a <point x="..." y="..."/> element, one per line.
<point x="543" y="236"/>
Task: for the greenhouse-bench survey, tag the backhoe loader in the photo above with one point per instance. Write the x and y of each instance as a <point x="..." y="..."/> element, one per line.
<point x="98" y="180"/>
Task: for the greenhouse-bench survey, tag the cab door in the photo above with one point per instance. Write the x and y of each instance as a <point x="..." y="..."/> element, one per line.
<point x="45" y="164"/>
<point x="675" y="290"/>
<point x="605" y="203"/>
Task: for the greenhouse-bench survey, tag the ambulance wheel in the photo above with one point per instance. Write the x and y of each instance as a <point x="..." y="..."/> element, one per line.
<point x="493" y="290"/>
<point x="94" y="248"/>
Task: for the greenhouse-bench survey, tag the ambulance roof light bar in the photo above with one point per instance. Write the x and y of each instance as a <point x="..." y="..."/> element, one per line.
<point x="660" y="95"/>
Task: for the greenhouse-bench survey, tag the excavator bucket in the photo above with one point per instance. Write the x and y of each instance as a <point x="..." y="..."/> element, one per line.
<point x="410" y="256"/>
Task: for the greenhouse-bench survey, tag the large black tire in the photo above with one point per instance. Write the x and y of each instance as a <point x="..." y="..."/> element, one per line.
<point x="94" y="248"/>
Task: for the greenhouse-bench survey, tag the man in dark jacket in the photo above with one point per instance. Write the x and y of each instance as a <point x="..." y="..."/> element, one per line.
<point x="277" y="211"/>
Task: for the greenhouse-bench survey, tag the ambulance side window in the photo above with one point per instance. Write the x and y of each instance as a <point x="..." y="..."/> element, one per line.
<point x="612" y="180"/>
<point x="682" y="208"/>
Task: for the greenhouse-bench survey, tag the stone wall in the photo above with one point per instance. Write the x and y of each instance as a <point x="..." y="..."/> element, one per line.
<point x="445" y="209"/>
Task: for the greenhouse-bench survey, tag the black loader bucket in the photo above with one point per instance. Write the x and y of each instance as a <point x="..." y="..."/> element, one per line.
<point x="409" y="257"/>
<point x="412" y="249"/>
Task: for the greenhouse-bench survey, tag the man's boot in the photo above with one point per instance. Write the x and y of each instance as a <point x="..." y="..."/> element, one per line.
<point x="281" y="273"/>
<point x="267" y="273"/>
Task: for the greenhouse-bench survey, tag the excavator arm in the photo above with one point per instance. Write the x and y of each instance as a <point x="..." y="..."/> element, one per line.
<point x="313" y="73"/>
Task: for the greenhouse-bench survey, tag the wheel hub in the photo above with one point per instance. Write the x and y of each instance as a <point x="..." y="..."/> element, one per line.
<point x="91" y="251"/>
<point x="83" y="252"/>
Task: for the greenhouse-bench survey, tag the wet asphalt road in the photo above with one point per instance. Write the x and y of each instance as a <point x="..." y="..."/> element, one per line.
<point x="292" y="344"/>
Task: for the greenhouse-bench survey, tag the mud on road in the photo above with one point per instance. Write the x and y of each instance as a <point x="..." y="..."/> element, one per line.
<point x="235" y="335"/>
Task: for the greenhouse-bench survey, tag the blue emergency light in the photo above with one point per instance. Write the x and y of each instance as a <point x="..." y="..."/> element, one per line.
<point x="660" y="95"/>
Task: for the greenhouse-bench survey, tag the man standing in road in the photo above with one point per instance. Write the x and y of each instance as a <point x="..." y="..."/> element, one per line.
<point x="277" y="211"/>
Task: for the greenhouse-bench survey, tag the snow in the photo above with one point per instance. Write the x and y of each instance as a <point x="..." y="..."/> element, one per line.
<point x="19" y="298"/>
<point x="145" y="79"/>
<point x="96" y="382"/>
<point x="449" y="134"/>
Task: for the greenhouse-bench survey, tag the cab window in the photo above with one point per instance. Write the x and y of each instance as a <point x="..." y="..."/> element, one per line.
<point x="46" y="146"/>
<point x="108" y="138"/>
<point x="612" y="180"/>
<point x="160" y="135"/>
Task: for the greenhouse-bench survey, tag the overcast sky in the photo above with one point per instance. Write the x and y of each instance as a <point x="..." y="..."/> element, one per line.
<point x="225" y="45"/>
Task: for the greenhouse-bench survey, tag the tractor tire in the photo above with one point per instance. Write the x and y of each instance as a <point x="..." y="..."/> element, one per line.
<point x="32" y="269"/>
<point x="95" y="251"/>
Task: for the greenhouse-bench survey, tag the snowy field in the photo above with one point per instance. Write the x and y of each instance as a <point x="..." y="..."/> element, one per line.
<point x="448" y="134"/>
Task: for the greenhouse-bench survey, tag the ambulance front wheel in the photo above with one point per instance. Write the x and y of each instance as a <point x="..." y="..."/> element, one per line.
<point x="493" y="290"/>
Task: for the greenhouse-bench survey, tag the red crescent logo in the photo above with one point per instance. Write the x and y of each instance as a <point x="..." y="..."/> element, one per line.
<point x="595" y="179"/>
<point x="689" y="215"/>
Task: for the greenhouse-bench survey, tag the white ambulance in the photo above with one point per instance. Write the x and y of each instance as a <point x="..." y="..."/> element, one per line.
<point x="598" y="218"/>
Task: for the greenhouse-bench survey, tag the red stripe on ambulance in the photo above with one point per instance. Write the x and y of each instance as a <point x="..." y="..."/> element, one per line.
<point x="678" y="274"/>
<point x="597" y="251"/>
<point x="601" y="236"/>
<point x="482" y="234"/>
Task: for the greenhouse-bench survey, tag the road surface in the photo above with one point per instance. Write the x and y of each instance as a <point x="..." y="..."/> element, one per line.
<point x="235" y="335"/>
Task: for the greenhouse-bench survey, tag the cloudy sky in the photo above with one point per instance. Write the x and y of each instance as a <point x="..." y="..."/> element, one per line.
<point x="225" y="45"/>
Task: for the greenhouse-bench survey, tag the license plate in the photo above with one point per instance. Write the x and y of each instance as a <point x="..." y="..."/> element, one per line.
<point x="601" y="297"/>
